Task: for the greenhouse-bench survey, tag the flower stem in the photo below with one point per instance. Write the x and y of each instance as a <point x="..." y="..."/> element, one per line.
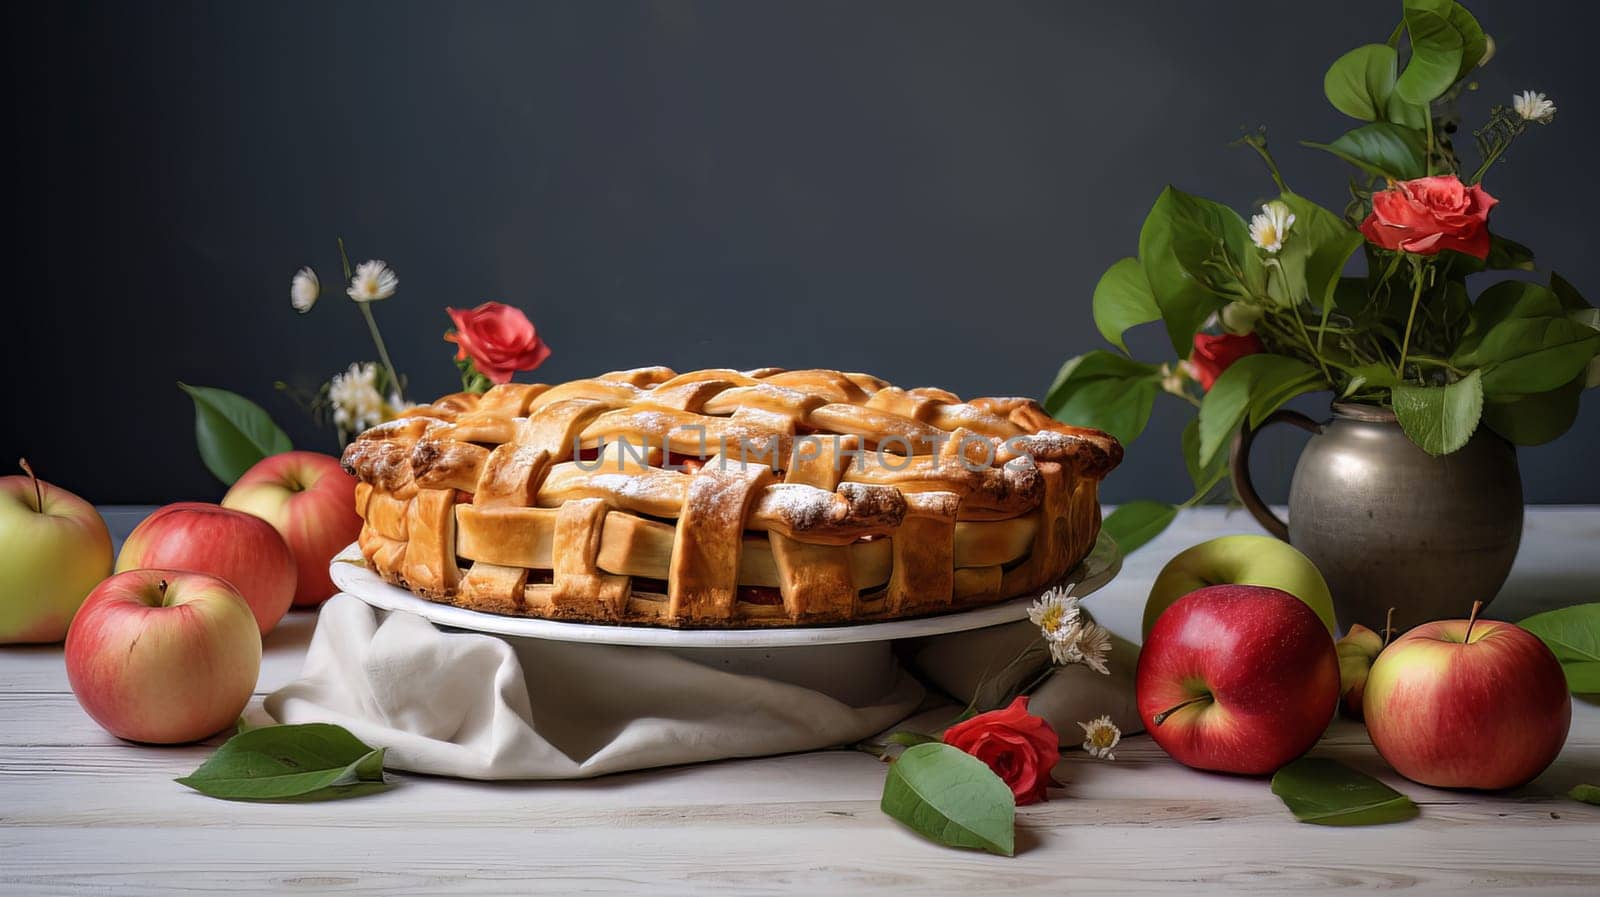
<point x="1438" y="363"/>
<point x="1037" y="681"/>
<point x="383" y="352"/>
<point x="1416" y="298"/>
<point x="372" y="327"/>
<point x="1272" y="166"/>
<point x="1313" y="346"/>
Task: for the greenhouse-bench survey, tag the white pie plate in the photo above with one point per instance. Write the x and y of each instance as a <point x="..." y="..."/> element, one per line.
<point x="351" y="575"/>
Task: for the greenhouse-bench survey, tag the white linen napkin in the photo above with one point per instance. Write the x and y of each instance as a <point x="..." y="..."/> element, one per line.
<point x="486" y="707"/>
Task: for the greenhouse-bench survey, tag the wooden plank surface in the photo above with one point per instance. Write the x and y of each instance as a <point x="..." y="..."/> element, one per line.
<point x="82" y="813"/>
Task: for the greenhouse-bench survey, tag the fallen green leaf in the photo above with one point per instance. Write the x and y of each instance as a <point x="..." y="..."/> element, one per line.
<point x="951" y="797"/>
<point x="1326" y="792"/>
<point x="1573" y="635"/>
<point x="313" y="761"/>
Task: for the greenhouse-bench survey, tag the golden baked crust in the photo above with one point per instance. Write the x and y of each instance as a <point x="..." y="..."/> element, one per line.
<point x="723" y="498"/>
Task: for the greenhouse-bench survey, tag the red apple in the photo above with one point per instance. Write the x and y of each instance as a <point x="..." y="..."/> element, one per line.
<point x="1237" y="679"/>
<point x="1468" y="704"/>
<point x="54" y="549"/>
<point x="311" y="502"/>
<point x="163" y="656"/>
<point x="238" y="547"/>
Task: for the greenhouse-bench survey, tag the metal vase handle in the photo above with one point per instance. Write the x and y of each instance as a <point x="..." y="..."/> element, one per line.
<point x="1239" y="467"/>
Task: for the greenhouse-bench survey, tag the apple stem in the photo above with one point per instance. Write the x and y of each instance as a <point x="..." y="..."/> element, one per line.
<point x="1162" y="716"/>
<point x="1472" y="620"/>
<point x="1388" y="627"/>
<point x="38" y="493"/>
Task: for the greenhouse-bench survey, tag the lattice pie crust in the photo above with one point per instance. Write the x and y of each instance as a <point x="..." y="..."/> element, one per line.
<point x="722" y="498"/>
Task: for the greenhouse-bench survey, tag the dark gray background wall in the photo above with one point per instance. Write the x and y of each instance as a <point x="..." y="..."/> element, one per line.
<point x="923" y="190"/>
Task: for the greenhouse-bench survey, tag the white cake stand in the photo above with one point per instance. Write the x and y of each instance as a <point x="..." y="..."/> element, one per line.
<point x="854" y="664"/>
<point x="351" y="575"/>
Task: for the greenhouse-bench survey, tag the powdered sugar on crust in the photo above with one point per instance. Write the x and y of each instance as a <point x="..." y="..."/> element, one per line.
<point x="807" y="509"/>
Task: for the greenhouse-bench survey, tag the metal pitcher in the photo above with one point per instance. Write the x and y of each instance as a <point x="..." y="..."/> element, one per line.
<point x="1389" y="525"/>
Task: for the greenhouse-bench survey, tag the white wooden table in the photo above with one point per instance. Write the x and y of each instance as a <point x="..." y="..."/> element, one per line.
<point x="82" y="813"/>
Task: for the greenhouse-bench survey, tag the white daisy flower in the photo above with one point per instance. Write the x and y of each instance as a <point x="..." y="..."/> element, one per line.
<point x="1534" y="106"/>
<point x="1094" y="646"/>
<point x="374" y="280"/>
<point x="1270" y="228"/>
<point x="1064" y="650"/>
<point x="1100" y="736"/>
<point x="357" y="404"/>
<point x="304" y="290"/>
<point x="1055" y="613"/>
<point x="1085" y="642"/>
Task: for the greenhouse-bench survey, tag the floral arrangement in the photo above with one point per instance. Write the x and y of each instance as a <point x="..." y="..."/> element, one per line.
<point x="962" y="789"/>
<point x="493" y="341"/>
<point x="1260" y="312"/>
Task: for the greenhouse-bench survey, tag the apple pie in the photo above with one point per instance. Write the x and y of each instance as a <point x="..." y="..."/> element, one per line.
<point x="722" y="498"/>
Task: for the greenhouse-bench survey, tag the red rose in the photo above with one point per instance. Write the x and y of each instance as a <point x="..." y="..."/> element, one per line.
<point x="1021" y="748"/>
<point x="499" y="339"/>
<point x="1429" y="214"/>
<point x="1214" y="354"/>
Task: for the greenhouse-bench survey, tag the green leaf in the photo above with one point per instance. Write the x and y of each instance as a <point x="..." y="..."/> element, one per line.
<point x="232" y="432"/>
<point x="1535" y="419"/>
<point x="1382" y="148"/>
<point x="951" y="797"/>
<point x="1567" y="294"/>
<point x="1204" y="476"/>
<point x="1525" y="339"/>
<point x="1255" y="385"/>
<point x="1122" y="299"/>
<point x="1319" y="245"/>
<point x="1588" y="794"/>
<point x="1326" y="264"/>
<point x="1583" y="677"/>
<point x="314" y="761"/>
<point x="1359" y="82"/>
<point x="1411" y="115"/>
<point x="1106" y="391"/>
<point x="1573" y="635"/>
<point x="1508" y="255"/>
<point x="1188" y="247"/>
<point x="1437" y="51"/>
<point x="1326" y="792"/>
<point x="1474" y="43"/>
<point x="1440" y="419"/>
<point x="1137" y="522"/>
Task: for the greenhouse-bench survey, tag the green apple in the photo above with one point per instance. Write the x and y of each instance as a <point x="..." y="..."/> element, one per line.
<point x="1358" y="650"/>
<point x="1240" y="560"/>
<point x="54" y="549"/>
